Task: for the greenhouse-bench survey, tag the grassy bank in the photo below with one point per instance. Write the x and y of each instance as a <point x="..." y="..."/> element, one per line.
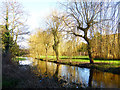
<point x="112" y="66"/>
<point x="83" y="59"/>
<point x="19" y="58"/>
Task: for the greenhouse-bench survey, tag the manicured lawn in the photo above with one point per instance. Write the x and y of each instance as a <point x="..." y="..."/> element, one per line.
<point x="97" y="61"/>
<point x="82" y="59"/>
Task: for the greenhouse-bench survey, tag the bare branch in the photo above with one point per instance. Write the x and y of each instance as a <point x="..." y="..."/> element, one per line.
<point x="23" y="33"/>
<point x="95" y="22"/>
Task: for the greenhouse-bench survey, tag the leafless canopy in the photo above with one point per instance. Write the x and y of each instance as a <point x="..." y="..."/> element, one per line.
<point x="17" y="18"/>
<point x="82" y="16"/>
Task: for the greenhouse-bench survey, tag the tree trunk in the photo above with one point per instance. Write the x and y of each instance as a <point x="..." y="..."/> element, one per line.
<point x="46" y="69"/>
<point x="56" y="72"/>
<point x="57" y="55"/>
<point x="89" y="53"/>
<point x="46" y="54"/>
<point x="90" y="78"/>
<point x="88" y="47"/>
<point x="55" y="48"/>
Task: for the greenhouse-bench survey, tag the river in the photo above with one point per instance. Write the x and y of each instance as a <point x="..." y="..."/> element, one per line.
<point x="73" y="75"/>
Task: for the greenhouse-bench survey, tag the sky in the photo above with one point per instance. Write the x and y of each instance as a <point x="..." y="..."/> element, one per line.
<point x="37" y="11"/>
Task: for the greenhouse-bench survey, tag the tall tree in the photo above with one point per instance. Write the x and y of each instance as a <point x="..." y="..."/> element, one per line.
<point x="82" y="17"/>
<point x="13" y="17"/>
<point x="7" y="33"/>
<point x="46" y="41"/>
<point x="55" y="26"/>
<point x="41" y="44"/>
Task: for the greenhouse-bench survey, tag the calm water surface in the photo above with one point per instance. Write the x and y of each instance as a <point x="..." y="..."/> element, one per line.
<point x="73" y="75"/>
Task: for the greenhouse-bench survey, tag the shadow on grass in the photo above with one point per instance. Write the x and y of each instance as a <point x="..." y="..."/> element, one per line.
<point x="76" y="58"/>
<point x="94" y="59"/>
<point x="106" y="59"/>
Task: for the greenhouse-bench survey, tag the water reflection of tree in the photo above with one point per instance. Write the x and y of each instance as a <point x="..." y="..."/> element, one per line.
<point x="90" y="78"/>
<point x="56" y="72"/>
<point x="46" y="72"/>
<point x="106" y="80"/>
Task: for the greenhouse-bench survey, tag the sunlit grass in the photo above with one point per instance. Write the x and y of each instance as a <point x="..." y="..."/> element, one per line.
<point x="42" y="57"/>
<point x="19" y="58"/>
<point x="81" y="59"/>
<point x="107" y="61"/>
<point x="86" y="59"/>
<point x="97" y="61"/>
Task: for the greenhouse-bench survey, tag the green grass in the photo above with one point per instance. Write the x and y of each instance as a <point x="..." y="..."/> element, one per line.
<point x="63" y="57"/>
<point x="19" y="58"/>
<point x="43" y="57"/>
<point x="82" y="59"/>
<point x="86" y="59"/>
<point x="97" y="61"/>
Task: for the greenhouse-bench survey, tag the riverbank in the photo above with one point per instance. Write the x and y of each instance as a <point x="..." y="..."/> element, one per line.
<point x="21" y="76"/>
<point x="102" y="66"/>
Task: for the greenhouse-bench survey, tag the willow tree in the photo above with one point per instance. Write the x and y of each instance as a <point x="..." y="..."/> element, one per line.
<point x="81" y="17"/>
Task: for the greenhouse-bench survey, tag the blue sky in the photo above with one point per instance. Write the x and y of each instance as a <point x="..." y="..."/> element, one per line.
<point x="38" y="10"/>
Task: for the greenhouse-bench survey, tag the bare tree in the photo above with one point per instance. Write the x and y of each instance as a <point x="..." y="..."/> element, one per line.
<point x="47" y="41"/>
<point x="41" y="44"/>
<point x="81" y="18"/>
<point x="55" y="26"/>
<point x="13" y="17"/>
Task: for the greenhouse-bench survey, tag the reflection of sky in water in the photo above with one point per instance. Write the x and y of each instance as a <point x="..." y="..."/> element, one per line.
<point x="81" y="74"/>
<point x="84" y="75"/>
<point x="28" y="61"/>
<point x="73" y="74"/>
